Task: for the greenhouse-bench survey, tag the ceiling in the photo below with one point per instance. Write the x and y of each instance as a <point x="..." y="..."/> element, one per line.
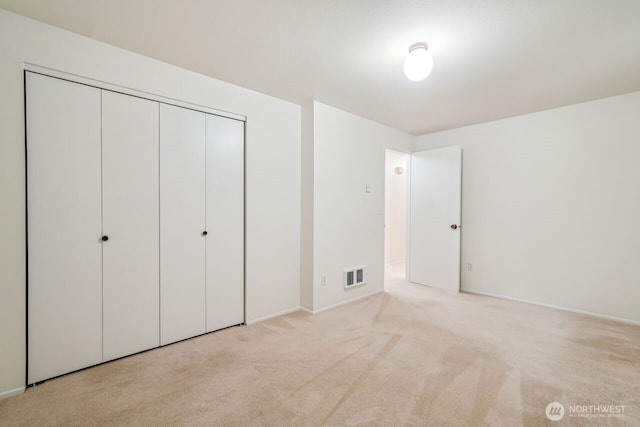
<point x="493" y="58"/>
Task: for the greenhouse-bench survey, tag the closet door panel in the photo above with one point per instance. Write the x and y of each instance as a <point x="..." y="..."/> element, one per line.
<point x="64" y="227"/>
<point x="225" y="222"/>
<point x="182" y="221"/>
<point x="130" y="183"/>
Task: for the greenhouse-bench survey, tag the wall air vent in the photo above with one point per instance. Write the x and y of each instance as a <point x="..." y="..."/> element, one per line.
<point x="354" y="277"/>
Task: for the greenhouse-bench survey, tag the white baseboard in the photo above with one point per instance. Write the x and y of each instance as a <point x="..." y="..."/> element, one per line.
<point x="306" y="310"/>
<point x="271" y="316"/>
<point x="556" y="307"/>
<point x="13" y="392"/>
<point x="346" y="302"/>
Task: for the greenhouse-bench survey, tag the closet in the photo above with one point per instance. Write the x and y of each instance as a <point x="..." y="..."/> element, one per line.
<point x="135" y="224"/>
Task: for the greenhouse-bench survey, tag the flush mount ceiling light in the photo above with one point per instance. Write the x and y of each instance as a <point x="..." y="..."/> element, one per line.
<point x="419" y="62"/>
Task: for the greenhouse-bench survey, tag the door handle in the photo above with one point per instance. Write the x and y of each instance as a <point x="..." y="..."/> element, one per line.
<point x="455" y="226"/>
<point x="204" y="233"/>
<point x="104" y="238"/>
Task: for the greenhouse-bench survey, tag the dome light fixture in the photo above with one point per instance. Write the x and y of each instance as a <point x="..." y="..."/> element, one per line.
<point x="419" y="62"/>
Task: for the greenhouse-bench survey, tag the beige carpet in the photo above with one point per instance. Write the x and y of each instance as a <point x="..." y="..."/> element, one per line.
<point x="412" y="356"/>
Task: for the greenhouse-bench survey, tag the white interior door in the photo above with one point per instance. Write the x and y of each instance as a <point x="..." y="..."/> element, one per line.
<point x="225" y="222"/>
<point x="64" y="227"/>
<point x="435" y="192"/>
<point x="182" y="222"/>
<point x="130" y="186"/>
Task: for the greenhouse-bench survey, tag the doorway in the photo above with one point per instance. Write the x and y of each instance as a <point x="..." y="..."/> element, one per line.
<point x="395" y="214"/>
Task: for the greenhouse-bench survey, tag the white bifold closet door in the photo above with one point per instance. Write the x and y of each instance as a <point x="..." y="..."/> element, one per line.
<point x="182" y="223"/>
<point x="64" y="227"/>
<point x="225" y="222"/>
<point x="135" y="224"/>
<point x="130" y="194"/>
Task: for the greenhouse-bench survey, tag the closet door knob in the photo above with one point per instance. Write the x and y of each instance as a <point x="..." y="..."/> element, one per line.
<point x="204" y="233"/>
<point x="454" y="226"/>
<point x="105" y="238"/>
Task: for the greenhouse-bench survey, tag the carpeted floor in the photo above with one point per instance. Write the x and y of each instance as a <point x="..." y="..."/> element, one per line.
<point x="412" y="356"/>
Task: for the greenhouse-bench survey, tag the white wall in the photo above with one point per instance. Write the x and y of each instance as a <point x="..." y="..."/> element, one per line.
<point x="273" y="168"/>
<point x="349" y="154"/>
<point x="306" y="209"/>
<point x="395" y="208"/>
<point x="550" y="206"/>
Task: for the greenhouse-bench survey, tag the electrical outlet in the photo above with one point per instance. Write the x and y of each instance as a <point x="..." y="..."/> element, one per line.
<point x="469" y="266"/>
<point x="323" y="280"/>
